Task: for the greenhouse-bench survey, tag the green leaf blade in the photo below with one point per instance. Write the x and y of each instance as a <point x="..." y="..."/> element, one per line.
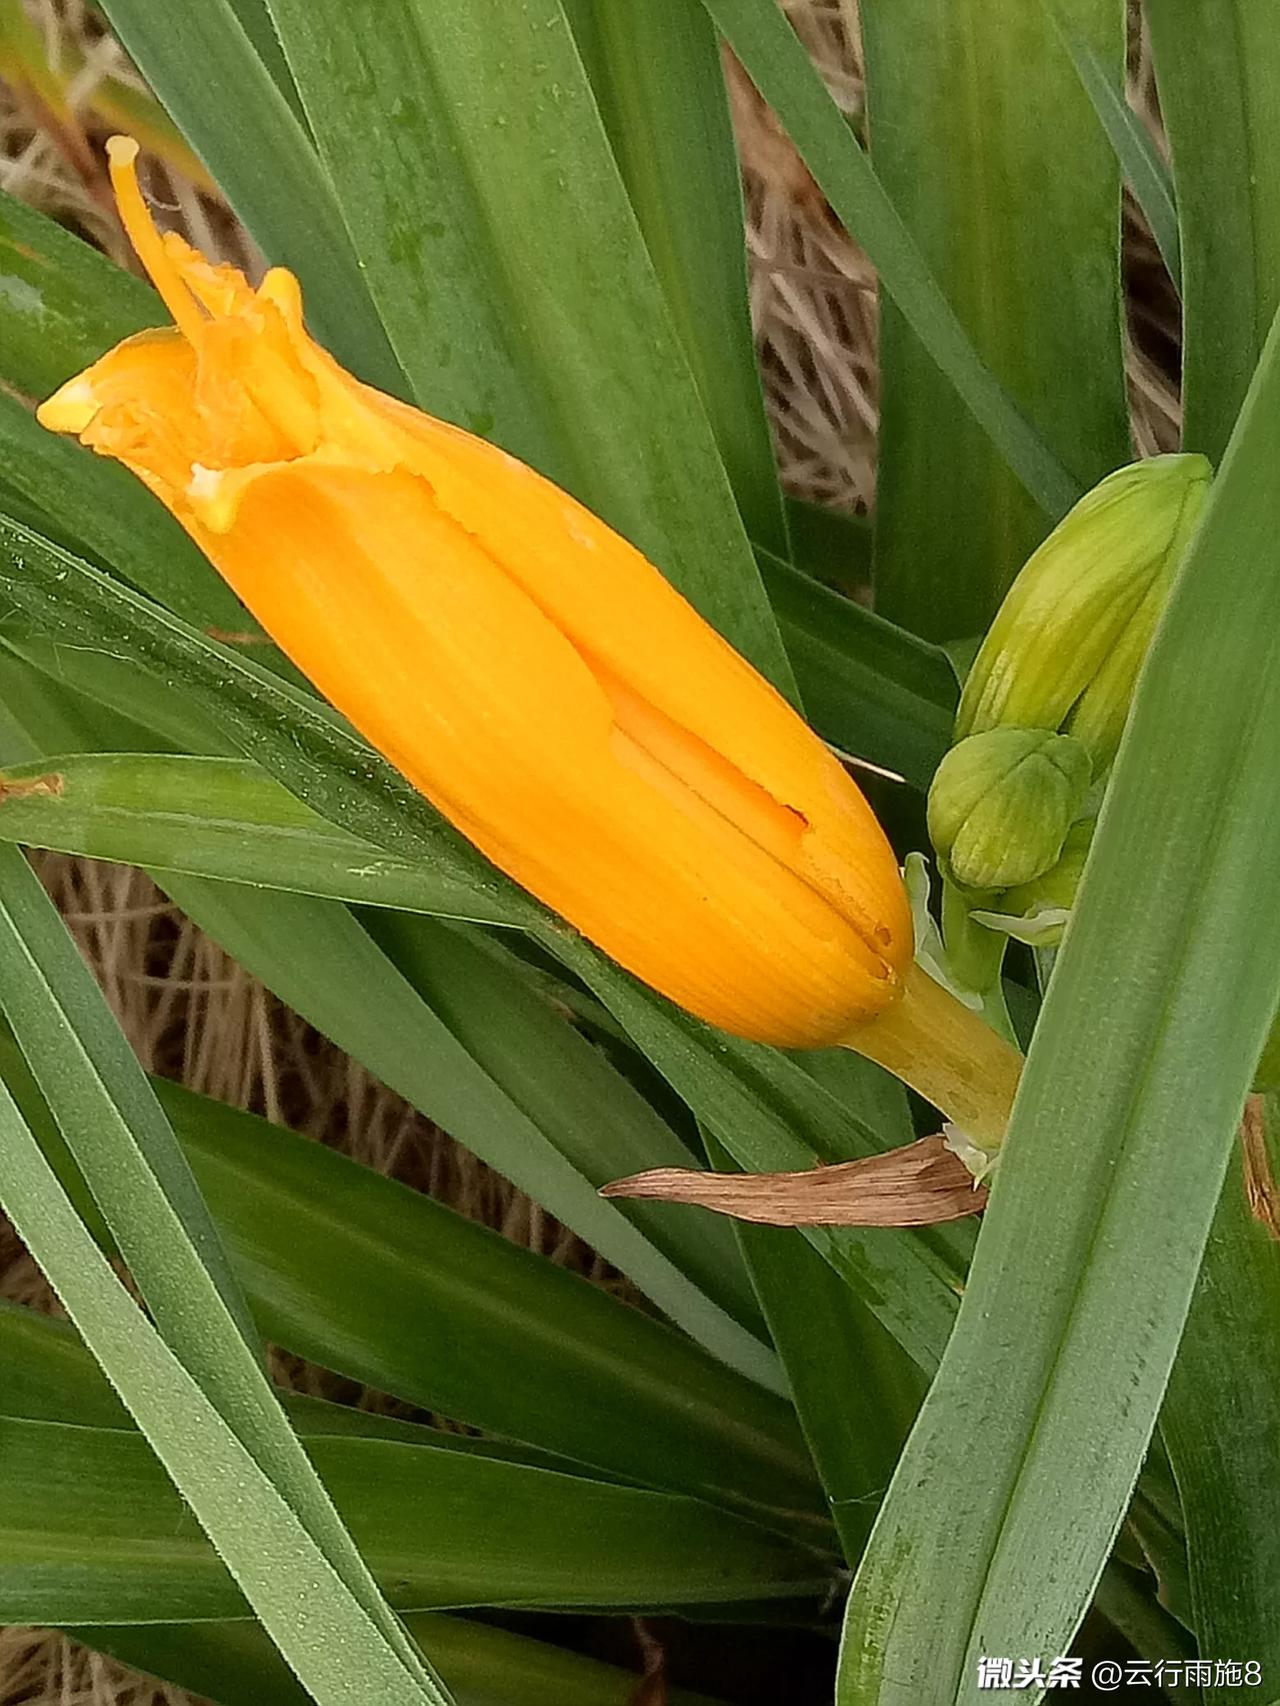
<point x="1221" y="57"/>
<point x="342" y="1646"/>
<point x="988" y="148"/>
<point x="656" y="76"/>
<point x="1221" y="1424"/>
<point x="777" y="64"/>
<point x="92" y="1531"/>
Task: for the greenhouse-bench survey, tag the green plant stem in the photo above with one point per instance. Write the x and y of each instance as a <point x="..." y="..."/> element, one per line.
<point x="948" y="1054"/>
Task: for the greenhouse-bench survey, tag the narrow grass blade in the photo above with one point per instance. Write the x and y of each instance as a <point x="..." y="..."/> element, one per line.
<point x="1156" y="1520"/>
<point x="91" y="1530"/>
<point x="657" y="79"/>
<point x="1148" y="176"/>
<point x="319" y="961"/>
<point x="220" y="818"/>
<point x="124" y="1147"/>
<point x="257" y="150"/>
<point x="114" y="1126"/>
<point x="523" y="1349"/>
<point x="1221" y="57"/>
<point x="1084" y="1270"/>
<point x="1221" y="1420"/>
<point x="758" y="32"/>
<point x="856" y="1391"/>
<point x="51" y="1377"/>
<point x="341" y="1649"/>
<point x="255" y="21"/>
<point x="988" y="148"/>
<point x="484" y="1666"/>
<point x="496" y="236"/>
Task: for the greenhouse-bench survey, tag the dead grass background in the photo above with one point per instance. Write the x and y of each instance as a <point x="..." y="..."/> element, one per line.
<point x="194" y="1015"/>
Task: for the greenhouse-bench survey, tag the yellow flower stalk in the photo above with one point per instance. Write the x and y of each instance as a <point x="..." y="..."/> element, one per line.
<point x="529" y="672"/>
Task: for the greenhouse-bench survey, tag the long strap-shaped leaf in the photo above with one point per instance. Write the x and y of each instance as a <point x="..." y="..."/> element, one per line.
<point x="856" y="1390"/>
<point x="1148" y="176"/>
<point x="1221" y="1421"/>
<point x="656" y="75"/>
<point x="360" y="1274"/>
<point x="989" y="149"/>
<point x="758" y="32"/>
<point x="1221" y="57"/>
<point x="203" y="1352"/>
<point x="91" y="1530"/>
<point x="232" y="1664"/>
<point x="221" y="818"/>
<point x="1084" y="1269"/>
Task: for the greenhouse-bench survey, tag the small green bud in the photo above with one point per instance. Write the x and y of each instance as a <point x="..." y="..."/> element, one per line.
<point x="1075" y="625"/>
<point x="1002" y="803"/>
<point x="1037" y="912"/>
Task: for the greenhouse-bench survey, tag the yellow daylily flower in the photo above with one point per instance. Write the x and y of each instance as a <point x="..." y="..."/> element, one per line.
<point x="518" y="662"/>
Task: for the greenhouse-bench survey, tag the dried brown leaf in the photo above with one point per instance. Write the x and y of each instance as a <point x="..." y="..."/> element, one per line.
<point x="1259" y="1180"/>
<point x="920" y="1184"/>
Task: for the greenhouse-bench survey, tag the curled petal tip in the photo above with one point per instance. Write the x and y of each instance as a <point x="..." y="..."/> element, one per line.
<point x="71" y="407"/>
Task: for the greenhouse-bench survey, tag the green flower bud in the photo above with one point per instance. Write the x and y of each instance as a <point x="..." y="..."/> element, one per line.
<point x="1099" y="715"/>
<point x="1037" y="912"/>
<point x="1002" y="803"/>
<point x="1075" y="625"/>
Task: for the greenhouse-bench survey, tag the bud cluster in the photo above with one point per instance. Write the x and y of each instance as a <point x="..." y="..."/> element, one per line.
<point x="1012" y="806"/>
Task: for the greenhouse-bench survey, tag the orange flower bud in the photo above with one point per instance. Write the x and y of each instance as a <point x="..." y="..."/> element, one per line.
<point x="521" y="664"/>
